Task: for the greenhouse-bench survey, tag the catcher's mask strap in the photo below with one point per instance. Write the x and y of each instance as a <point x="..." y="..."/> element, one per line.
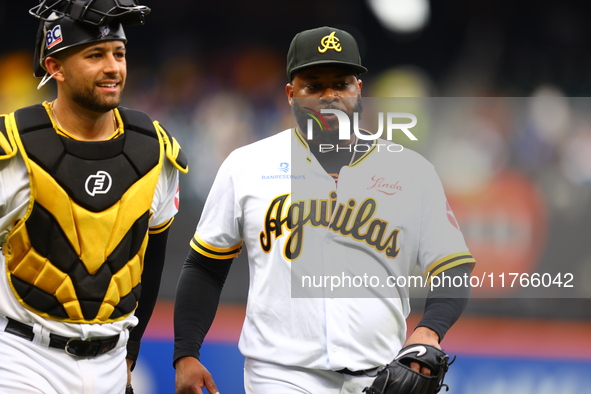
<point x="46" y="78"/>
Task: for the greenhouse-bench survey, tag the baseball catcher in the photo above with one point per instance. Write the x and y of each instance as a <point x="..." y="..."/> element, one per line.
<point x="399" y="378"/>
<point x="89" y="190"/>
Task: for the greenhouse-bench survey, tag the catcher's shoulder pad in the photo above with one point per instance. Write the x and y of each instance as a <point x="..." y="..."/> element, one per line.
<point x="173" y="150"/>
<point x="21" y="122"/>
<point x="137" y="121"/>
<point x="8" y="147"/>
<point x="141" y="122"/>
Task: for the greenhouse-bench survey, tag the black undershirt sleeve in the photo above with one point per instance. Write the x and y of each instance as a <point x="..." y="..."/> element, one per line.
<point x="445" y="304"/>
<point x="197" y="298"/>
<point x="152" y="274"/>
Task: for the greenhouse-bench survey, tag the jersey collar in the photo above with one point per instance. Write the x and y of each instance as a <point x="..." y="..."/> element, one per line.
<point x="302" y="141"/>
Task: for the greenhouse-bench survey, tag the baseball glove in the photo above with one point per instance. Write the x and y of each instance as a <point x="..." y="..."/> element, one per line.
<point x="398" y="378"/>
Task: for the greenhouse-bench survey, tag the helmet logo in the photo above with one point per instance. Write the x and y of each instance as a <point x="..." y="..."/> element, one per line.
<point x="53" y="37"/>
<point x="104" y="31"/>
<point x="330" y="42"/>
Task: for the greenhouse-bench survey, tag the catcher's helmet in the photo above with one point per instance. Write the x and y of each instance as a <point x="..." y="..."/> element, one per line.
<point x="96" y="12"/>
<point x="68" y="23"/>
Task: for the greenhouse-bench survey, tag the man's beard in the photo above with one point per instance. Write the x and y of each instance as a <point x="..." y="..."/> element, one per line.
<point x="92" y="101"/>
<point x="321" y="135"/>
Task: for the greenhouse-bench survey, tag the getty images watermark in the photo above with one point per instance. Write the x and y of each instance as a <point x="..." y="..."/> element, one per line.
<point x="345" y="129"/>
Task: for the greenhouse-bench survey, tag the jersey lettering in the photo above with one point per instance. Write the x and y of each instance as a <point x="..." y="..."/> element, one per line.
<point x="351" y="220"/>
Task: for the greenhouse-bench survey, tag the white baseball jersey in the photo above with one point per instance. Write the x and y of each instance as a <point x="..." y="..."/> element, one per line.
<point x="387" y="214"/>
<point x="14" y="198"/>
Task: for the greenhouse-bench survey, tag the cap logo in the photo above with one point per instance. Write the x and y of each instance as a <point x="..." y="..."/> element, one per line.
<point x="53" y="37"/>
<point x="330" y="42"/>
<point x="104" y="30"/>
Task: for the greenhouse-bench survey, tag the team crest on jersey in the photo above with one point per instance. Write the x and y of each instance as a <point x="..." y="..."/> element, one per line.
<point x="351" y="219"/>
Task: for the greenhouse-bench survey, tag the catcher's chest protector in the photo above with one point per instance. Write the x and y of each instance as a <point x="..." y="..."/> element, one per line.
<point x="77" y="254"/>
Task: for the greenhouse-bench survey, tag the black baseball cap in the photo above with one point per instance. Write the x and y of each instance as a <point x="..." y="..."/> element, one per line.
<point x="323" y="46"/>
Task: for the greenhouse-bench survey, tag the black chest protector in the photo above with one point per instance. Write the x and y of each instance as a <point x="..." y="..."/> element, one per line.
<point x="77" y="255"/>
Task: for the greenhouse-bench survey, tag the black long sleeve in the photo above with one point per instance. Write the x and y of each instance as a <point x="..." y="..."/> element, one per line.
<point x="197" y="298"/>
<point x="151" y="276"/>
<point x="445" y="304"/>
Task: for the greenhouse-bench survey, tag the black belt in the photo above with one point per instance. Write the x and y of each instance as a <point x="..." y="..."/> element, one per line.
<point x="73" y="346"/>
<point x="368" y="372"/>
